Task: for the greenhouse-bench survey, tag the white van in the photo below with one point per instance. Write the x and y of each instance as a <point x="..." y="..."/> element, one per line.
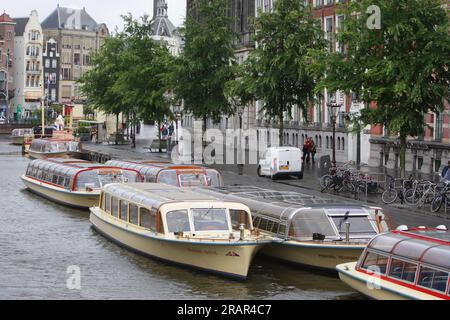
<point x="281" y="162"/>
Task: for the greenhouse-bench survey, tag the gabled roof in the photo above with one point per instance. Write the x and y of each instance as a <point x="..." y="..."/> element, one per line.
<point x="69" y="18"/>
<point x="161" y="25"/>
<point x="6" y="18"/>
<point x="21" y="23"/>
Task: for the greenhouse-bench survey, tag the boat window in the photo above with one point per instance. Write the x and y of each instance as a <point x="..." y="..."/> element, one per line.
<point x="134" y="214"/>
<point x="103" y="201"/>
<point x="67" y="183"/>
<point x="129" y="176"/>
<point x="376" y="263"/>
<point x="148" y="219"/>
<point x="438" y="256"/>
<point x="386" y="242"/>
<point x="308" y="222"/>
<point x="359" y="225"/>
<point x="61" y="181"/>
<point x="87" y="179"/>
<point x="192" y="180"/>
<point x="433" y="279"/>
<point x="178" y="221"/>
<point x="268" y="225"/>
<point x="169" y="177"/>
<point x="239" y="217"/>
<point x="108" y="203"/>
<point x="403" y="270"/>
<point x="55" y="179"/>
<point x="123" y="210"/>
<point x="214" y="178"/>
<point x="210" y="219"/>
<point x="115" y="207"/>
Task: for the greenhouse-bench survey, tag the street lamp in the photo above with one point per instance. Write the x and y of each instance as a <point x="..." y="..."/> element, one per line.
<point x="241" y="158"/>
<point x="177" y="112"/>
<point x="333" y="111"/>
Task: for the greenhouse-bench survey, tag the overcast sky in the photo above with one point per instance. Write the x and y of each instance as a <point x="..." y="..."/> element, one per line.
<point x="107" y="11"/>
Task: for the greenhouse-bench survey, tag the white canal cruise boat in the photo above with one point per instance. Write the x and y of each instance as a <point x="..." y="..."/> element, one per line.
<point x="55" y="148"/>
<point x="18" y="135"/>
<point x="179" y="225"/>
<point x="174" y="175"/>
<point x="74" y="183"/>
<point x="403" y="265"/>
<point x="313" y="232"/>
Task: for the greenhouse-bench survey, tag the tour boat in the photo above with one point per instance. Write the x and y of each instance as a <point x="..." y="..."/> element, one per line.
<point x="55" y="148"/>
<point x="71" y="182"/>
<point x="313" y="232"/>
<point x="174" y="175"/>
<point x="403" y="265"/>
<point x="17" y="136"/>
<point x="179" y="225"/>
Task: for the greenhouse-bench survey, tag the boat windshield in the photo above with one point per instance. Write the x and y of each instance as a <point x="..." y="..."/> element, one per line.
<point x="95" y="179"/>
<point x="192" y="180"/>
<point x="214" y="178"/>
<point x="210" y="219"/>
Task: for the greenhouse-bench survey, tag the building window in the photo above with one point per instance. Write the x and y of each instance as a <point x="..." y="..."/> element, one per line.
<point x="438" y="127"/>
<point x="66" y="74"/>
<point x="54" y="63"/>
<point x="47" y="63"/>
<point x="76" y="59"/>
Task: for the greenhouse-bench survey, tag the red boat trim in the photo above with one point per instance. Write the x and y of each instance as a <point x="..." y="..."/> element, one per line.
<point x="421" y="237"/>
<point x="406" y="285"/>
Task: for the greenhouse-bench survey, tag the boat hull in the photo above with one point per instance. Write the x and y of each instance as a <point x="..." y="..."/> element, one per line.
<point x="18" y="141"/>
<point x="314" y="255"/>
<point x="377" y="288"/>
<point x="230" y="260"/>
<point x="73" y="199"/>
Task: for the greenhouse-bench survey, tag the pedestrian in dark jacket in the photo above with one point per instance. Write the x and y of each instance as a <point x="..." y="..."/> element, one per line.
<point x="444" y="172"/>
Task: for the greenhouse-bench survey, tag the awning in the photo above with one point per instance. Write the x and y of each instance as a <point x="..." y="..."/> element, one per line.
<point x="33" y="96"/>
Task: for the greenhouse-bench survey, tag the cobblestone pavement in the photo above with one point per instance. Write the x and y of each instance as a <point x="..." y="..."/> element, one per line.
<point x="401" y="214"/>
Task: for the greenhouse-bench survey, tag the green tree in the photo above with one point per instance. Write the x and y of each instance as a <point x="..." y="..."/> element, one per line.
<point x="208" y="61"/>
<point x="130" y="75"/>
<point x="277" y="72"/>
<point x="400" y="70"/>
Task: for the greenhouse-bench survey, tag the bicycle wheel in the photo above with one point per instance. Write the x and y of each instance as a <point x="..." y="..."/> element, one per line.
<point x="437" y="203"/>
<point x="389" y="196"/>
<point x="411" y="197"/>
<point x="325" y="180"/>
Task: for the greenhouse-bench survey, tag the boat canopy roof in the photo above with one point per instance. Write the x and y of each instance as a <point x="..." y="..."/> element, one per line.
<point x="155" y="195"/>
<point x="148" y="168"/>
<point x="303" y="215"/>
<point x="39" y="144"/>
<point x="425" y="245"/>
<point x="277" y="204"/>
<point x="67" y="167"/>
<point x="21" y="132"/>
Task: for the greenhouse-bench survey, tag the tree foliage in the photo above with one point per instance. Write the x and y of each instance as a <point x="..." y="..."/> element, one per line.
<point x="401" y="68"/>
<point x="130" y="74"/>
<point x="207" y="63"/>
<point x="277" y="72"/>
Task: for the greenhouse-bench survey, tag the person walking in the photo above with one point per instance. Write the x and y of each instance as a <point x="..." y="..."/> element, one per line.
<point x="313" y="151"/>
<point x="444" y="172"/>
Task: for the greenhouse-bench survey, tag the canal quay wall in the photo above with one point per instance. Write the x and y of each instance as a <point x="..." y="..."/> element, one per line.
<point x="6" y="129"/>
<point x="401" y="214"/>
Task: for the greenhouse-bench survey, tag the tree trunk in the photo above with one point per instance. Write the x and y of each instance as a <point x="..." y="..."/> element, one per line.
<point x="159" y="136"/>
<point x="403" y="146"/>
<point x="281" y="136"/>
<point x="117" y="129"/>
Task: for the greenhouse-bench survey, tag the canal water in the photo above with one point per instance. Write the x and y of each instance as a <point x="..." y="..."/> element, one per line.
<point x="41" y="241"/>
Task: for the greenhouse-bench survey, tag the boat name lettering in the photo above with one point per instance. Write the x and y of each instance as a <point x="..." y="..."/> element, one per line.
<point x="203" y="251"/>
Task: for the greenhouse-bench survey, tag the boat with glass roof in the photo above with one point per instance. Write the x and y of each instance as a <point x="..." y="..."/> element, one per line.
<point x="73" y="182"/>
<point x="179" y="225"/>
<point x="313" y="232"/>
<point x="55" y="148"/>
<point x="175" y="175"/>
<point x="17" y="136"/>
<point x="403" y="265"/>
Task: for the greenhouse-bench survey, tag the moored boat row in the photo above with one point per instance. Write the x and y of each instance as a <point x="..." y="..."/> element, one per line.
<point x="220" y="229"/>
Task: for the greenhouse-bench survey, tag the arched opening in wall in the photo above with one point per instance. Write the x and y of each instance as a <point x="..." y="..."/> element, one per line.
<point x="320" y="141"/>
<point x="268" y="138"/>
<point x="343" y="144"/>
<point x="328" y="142"/>
<point x="316" y="140"/>
<point x="296" y="139"/>
<point x="339" y="144"/>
